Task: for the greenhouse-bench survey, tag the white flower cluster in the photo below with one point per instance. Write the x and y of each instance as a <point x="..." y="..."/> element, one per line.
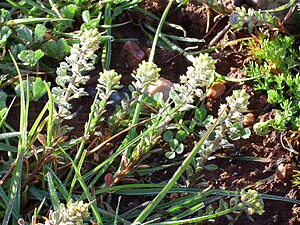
<point x="72" y="214"/>
<point x="69" y="73"/>
<point x="109" y="79"/>
<point x="238" y="18"/>
<point x="199" y="75"/>
<point x="253" y="202"/>
<point x="237" y="104"/>
<point x="108" y="82"/>
<point x="146" y="73"/>
<point x="230" y="122"/>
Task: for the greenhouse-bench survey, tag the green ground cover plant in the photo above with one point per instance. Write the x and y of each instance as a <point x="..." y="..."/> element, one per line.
<point x="77" y="35"/>
<point x="276" y="72"/>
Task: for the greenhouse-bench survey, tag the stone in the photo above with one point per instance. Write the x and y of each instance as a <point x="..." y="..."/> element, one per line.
<point x="216" y="90"/>
<point x="133" y="54"/>
<point x="249" y="119"/>
<point x="161" y="85"/>
<point x="284" y="172"/>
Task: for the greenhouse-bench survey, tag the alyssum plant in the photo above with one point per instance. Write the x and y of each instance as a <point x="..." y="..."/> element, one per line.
<point x="137" y="145"/>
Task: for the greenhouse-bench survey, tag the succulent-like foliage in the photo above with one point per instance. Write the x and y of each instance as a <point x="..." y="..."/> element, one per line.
<point x="72" y="214"/>
<point x="70" y="73"/>
<point x="146" y="73"/>
<point x="252" y="201"/>
<point x="199" y="75"/>
<point x="108" y="82"/>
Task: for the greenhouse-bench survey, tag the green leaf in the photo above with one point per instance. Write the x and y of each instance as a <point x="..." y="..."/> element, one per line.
<point x="211" y="167"/>
<point x="2" y="113"/>
<point x="189" y="170"/>
<point x="4" y="15"/>
<point x="246" y="133"/>
<point x="56" y="49"/>
<point x="30" y="57"/>
<point x="86" y="17"/>
<point x="273" y="97"/>
<point x="173" y="144"/>
<point x="69" y="11"/>
<point x="9" y="135"/>
<point x="168" y="135"/>
<point x="181" y="135"/>
<point x="25" y="34"/>
<point x="170" y="155"/>
<point x="38" y="88"/>
<point x="16" y="49"/>
<point x="180" y="148"/>
<point x="4" y="35"/>
<point x="208" y="121"/>
<point x="53" y="194"/>
<point x="3" y="96"/>
<point x="200" y="114"/>
<point x="39" y="32"/>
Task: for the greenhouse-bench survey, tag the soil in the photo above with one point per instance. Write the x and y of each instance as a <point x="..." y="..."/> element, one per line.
<point x="232" y="173"/>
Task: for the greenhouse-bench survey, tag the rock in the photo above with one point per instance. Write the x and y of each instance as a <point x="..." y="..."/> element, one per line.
<point x="216" y="90"/>
<point x="249" y="119"/>
<point x="161" y="85"/>
<point x="133" y="54"/>
<point x="284" y="172"/>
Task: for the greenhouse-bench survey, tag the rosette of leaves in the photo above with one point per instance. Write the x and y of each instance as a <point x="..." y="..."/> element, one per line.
<point x="175" y="142"/>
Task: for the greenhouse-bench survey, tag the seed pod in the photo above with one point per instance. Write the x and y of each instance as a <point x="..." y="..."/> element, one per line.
<point x="216" y="90"/>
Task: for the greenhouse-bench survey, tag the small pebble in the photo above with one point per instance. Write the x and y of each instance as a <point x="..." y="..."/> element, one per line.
<point x="249" y="119"/>
<point x="134" y="55"/>
<point x="284" y="172"/>
<point x="216" y="90"/>
<point x="161" y="85"/>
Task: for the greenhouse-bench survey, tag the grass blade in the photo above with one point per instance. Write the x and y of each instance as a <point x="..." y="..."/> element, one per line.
<point x="53" y="194"/>
<point x="10" y="135"/>
<point x="15" y="185"/>
<point x="177" y="174"/>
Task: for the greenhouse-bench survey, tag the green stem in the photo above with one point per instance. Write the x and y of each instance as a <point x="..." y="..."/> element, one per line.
<point x="176" y="176"/>
<point x="82" y="144"/>
<point x="157" y="34"/>
<point x="138" y="108"/>
<point x="107" y="47"/>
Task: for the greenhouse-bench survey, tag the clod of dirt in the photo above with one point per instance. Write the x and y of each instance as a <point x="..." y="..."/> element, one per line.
<point x="249" y="119"/>
<point x="133" y="54"/>
<point x="216" y="90"/>
<point x="161" y="85"/>
<point x="284" y="172"/>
